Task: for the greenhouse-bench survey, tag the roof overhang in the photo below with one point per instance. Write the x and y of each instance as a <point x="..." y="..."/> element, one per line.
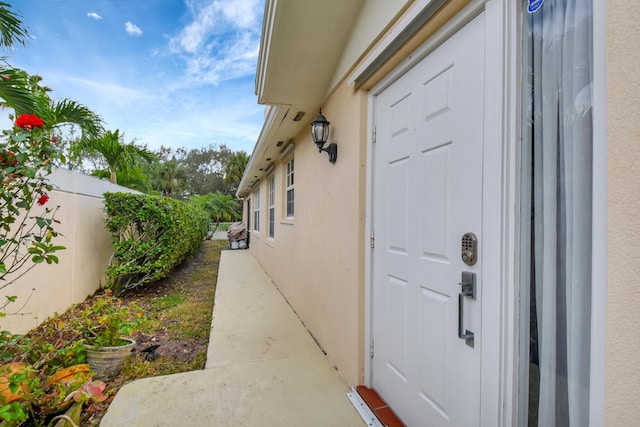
<point x="302" y="42"/>
<point x="301" y="45"/>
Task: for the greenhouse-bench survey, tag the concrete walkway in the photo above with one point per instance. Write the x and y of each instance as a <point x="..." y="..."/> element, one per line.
<point x="263" y="368"/>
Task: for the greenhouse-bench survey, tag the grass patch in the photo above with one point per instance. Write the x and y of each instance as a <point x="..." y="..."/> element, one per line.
<point x="184" y="311"/>
<point x="138" y="367"/>
<point x="168" y="301"/>
<point x="174" y="336"/>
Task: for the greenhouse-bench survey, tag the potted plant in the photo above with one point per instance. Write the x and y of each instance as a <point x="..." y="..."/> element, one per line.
<point x="105" y="326"/>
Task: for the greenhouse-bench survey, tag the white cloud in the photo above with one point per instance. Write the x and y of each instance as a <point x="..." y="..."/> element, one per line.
<point x="132" y="29"/>
<point x="236" y="58"/>
<point x="242" y="13"/>
<point x="94" y="15"/>
<point x="222" y="40"/>
<point x="109" y="90"/>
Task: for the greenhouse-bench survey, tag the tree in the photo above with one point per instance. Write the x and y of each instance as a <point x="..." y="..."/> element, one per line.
<point x="234" y="170"/>
<point x="221" y="207"/>
<point x="118" y="156"/>
<point x="168" y="177"/>
<point x="24" y="93"/>
<point x="204" y="169"/>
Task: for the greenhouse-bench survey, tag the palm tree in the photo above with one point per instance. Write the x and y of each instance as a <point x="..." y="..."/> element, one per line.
<point x="24" y="94"/>
<point x="136" y="178"/>
<point x="168" y="177"/>
<point x="221" y="207"/>
<point x="119" y="157"/>
<point x="234" y="170"/>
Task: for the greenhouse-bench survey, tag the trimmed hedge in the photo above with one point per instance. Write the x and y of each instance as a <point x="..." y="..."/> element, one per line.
<point x="151" y="236"/>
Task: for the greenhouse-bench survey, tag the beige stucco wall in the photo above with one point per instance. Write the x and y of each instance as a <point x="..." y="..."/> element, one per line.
<point x="316" y="259"/>
<point x="623" y="141"/>
<point x="48" y="289"/>
<point x="373" y="22"/>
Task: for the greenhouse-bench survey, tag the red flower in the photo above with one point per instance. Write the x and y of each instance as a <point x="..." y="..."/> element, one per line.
<point x="43" y="199"/>
<point x="28" y="121"/>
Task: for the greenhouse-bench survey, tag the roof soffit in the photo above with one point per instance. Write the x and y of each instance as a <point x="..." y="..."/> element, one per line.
<point x="302" y="43"/>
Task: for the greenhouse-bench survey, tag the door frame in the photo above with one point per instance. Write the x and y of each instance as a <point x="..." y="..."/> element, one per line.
<point x="501" y="114"/>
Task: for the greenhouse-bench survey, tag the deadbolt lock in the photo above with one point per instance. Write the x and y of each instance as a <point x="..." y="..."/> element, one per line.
<point x="469" y="248"/>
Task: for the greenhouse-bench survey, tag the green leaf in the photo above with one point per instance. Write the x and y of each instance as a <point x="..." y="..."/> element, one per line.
<point x="30" y="172"/>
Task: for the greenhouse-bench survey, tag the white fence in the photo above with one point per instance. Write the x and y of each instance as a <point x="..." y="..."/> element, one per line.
<point x="219" y="232"/>
<point x="48" y="289"/>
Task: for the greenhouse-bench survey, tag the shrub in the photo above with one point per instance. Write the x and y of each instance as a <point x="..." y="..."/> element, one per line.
<point x="27" y="153"/>
<point x="151" y="236"/>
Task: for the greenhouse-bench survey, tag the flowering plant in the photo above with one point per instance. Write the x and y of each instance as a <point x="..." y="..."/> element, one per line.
<point x="107" y="321"/>
<point x="27" y="154"/>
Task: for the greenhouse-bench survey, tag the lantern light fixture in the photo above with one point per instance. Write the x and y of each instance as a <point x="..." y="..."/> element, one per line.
<point x="320" y="134"/>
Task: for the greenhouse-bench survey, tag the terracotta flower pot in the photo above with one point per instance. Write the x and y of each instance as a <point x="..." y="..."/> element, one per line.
<point x="6" y="372"/>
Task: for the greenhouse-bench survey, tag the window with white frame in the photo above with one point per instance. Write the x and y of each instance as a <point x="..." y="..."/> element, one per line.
<point x="256" y="210"/>
<point x="272" y="205"/>
<point x="289" y="188"/>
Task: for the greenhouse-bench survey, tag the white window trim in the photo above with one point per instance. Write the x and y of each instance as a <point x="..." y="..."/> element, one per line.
<point x="288" y="187"/>
<point x="256" y="210"/>
<point x="271" y="187"/>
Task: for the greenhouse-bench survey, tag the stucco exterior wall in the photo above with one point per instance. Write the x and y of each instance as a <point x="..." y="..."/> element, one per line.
<point x="48" y="289"/>
<point x="374" y="20"/>
<point x="623" y="140"/>
<point x="316" y="259"/>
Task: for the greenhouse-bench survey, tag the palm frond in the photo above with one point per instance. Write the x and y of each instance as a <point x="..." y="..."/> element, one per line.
<point x="66" y="111"/>
<point x="14" y="91"/>
<point x="12" y="30"/>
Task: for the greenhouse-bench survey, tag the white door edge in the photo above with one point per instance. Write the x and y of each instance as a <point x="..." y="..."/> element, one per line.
<point x="499" y="393"/>
<point x="500" y="189"/>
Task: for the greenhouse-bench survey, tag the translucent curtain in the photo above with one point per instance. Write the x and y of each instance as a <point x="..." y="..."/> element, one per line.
<point x="556" y="214"/>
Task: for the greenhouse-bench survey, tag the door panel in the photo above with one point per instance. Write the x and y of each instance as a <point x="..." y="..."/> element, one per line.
<point x="427" y="194"/>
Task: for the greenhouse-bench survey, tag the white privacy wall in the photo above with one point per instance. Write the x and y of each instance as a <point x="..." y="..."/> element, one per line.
<point x="48" y="289"/>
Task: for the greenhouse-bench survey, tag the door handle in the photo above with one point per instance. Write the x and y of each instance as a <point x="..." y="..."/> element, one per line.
<point x="468" y="284"/>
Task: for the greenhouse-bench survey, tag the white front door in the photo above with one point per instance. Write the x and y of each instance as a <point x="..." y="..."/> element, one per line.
<point x="427" y="194"/>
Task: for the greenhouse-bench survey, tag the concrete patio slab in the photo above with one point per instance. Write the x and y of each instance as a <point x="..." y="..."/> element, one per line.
<point x="263" y="368"/>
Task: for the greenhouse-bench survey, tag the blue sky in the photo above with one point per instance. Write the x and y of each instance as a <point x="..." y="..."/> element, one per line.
<point x="178" y="73"/>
